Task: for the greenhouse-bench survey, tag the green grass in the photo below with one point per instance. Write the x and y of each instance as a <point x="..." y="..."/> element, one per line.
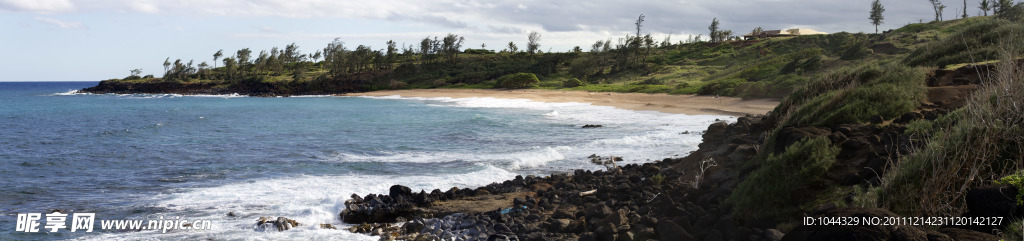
<point x="1016" y="180"/>
<point x="919" y="128"/>
<point x="776" y="189"/>
<point x="973" y="40"/>
<point x="853" y="95"/>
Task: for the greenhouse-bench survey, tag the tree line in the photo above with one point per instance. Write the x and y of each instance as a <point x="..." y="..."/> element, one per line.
<point x="434" y="61"/>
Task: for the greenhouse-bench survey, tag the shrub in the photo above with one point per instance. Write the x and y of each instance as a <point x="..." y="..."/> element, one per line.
<point x="856" y="50"/>
<point x="657" y="178"/>
<point x="652" y="81"/>
<point x="720" y="87"/>
<point x="975" y="41"/>
<point x="574" y="82"/>
<point x="853" y="95"/>
<point x="918" y="128"/>
<point x="981" y="142"/>
<point x="784" y="181"/>
<point x="517" y="81"/>
<point x="1017" y="181"/>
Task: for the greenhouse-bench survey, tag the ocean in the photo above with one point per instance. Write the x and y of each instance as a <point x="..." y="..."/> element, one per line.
<point x="173" y="157"/>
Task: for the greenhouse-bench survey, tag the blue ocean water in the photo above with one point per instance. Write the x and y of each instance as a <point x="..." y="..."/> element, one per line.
<point x="201" y="157"/>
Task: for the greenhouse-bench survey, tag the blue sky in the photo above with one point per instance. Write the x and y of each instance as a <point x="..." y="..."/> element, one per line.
<point x="91" y="40"/>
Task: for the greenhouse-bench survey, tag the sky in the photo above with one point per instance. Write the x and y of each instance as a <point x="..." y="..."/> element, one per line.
<point x="92" y="40"/>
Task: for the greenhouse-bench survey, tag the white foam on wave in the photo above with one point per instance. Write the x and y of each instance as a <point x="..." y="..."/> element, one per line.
<point x="644" y="134"/>
<point x="387" y="97"/>
<point x="533" y="157"/>
<point x="310" y="200"/>
<point x="225" y="96"/>
<point x="70" y="92"/>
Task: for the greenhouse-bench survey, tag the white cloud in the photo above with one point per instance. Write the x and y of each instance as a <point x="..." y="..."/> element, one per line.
<point x="38" y="6"/>
<point x="62" y="24"/>
<point x="574" y="20"/>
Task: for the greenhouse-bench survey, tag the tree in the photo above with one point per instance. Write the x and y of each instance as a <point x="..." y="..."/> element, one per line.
<point x="876" y="14"/>
<point x="639" y="24"/>
<point x="965" y="10"/>
<point x="135" y="73"/>
<point x="714" y="30"/>
<point x="391" y="52"/>
<point x="756" y="33"/>
<point x="202" y="69"/>
<point x="243" y="56"/>
<point x="217" y="56"/>
<point x="649" y="44"/>
<point x="596" y="47"/>
<point x="724" y="35"/>
<point x="229" y="65"/>
<point x="291" y="54"/>
<point x="533" y="42"/>
<point x="450" y="46"/>
<point x="334" y="57"/>
<point x="315" y="56"/>
<point x="938" y="7"/>
<point x="985" y="6"/>
<point x="1001" y="6"/>
<point x="512" y="47"/>
<point x="425" y="46"/>
<point x="167" y="65"/>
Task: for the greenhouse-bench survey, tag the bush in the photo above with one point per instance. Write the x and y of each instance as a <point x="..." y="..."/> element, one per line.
<point x="574" y="82"/>
<point x="478" y="51"/>
<point x="1017" y="181"/>
<point x="975" y="41"/>
<point x="856" y="50"/>
<point x="720" y="87"/>
<point x="855" y="94"/>
<point x="518" y="81"/>
<point x="981" y="142"/>
<point x="783" y="182"/>
<point x="918" y="128"/>
<point x="652" y="81"/>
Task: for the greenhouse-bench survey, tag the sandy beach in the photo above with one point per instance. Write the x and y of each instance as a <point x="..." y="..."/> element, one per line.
<point x="676" y="104"/>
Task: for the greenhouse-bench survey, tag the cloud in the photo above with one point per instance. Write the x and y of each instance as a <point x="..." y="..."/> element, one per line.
<point x="430" y="19"/>
<point x="38" y="6"/>
<point x="267" y="30"/>
<point x="63" y="24"/>
<point x="606" y="18"/>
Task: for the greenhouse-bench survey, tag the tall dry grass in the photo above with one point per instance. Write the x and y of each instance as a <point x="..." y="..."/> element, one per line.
<point x="981" y="142"/>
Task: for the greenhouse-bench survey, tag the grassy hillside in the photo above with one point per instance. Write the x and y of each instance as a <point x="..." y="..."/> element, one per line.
<point x="760" y="68"/>
<point x="913" y="131"/>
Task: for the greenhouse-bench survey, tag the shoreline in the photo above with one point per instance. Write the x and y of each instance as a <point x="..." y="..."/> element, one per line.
<point x="665" y="103"/>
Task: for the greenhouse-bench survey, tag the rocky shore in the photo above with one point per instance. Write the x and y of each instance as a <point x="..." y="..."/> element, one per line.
<point x="671" y="199"/>
<point x="256" y="89"/>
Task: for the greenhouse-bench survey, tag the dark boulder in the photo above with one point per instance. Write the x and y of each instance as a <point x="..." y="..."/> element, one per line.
<point x="993" y="201"/>
<point x="397" y="191"/>
<point x="967" y="235"/>
<point x="669" y="230"/>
